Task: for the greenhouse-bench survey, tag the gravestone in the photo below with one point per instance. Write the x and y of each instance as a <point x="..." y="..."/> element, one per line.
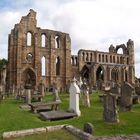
<point x="88" y="128"/>
<point x="110" y="113"/>
<point x="74" y="91"/>
<point x="28" y="88"/>
<point x="85" y="95"/>
<point x="127" y="91"/>
<point x="55" y="93"/>
<point x="42" y="89"/>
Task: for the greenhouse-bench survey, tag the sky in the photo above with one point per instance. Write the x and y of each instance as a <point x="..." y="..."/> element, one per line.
<point x="92" y="24"/>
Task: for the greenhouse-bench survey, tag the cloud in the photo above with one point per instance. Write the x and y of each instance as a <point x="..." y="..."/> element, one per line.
<point x="92" y="24"/>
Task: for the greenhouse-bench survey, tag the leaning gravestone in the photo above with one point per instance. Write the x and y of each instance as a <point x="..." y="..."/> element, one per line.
<point x="55" y="93"/>
<point x="74" y="91"/>
<point x="126" y="96"/>
<point x="85" y="95"/>
<point x="110" y="113"/>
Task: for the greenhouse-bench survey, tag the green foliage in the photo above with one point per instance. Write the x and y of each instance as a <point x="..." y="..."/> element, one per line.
<point x="14" y="118"/>
<point x="3" y="62"/>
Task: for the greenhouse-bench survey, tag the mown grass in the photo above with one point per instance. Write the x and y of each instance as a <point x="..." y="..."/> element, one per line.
<point x="14" y="118"/>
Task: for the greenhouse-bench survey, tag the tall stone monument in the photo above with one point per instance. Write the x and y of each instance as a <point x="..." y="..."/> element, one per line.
<point x="126" y="96"/>
<point x="110" y="113"/>
<point x="85" y="95"/>
<point x="74" y="91"/>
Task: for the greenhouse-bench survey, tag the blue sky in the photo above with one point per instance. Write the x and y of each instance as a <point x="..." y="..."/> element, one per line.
<point x="92" y="24"/>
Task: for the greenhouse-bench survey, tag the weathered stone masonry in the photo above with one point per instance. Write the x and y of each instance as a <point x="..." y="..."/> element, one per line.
<point x="28" y="45"/>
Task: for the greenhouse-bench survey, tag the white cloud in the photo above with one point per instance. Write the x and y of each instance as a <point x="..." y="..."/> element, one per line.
<point x="92" y="24"/>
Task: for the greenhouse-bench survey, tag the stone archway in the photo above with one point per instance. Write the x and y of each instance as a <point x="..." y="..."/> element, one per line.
<point x="99" y="77"/>
<point x="85" y="72"/>
<point x="29" y="77"/>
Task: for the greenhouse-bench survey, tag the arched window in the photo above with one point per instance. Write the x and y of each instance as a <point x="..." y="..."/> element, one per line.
<point x="103" y="58"/>
<point x="83" y="56"/>
<point x="115" y="74"/>
<point x="99" y="73"/>
<point x="57" y="41"/>
<point x="43" y="40"/>
<point x="99" y="57"/>
<point x="86" y="56"/>
<point x="29" y="39"/>
<point x="43" y="66"/>
<point x="118" y="59"/>
<point x="127" y="61"/>
<point x="57" y="66"/>
<point x="120" y="51"/>
<point x="106" y="58"/>
<point x="126" y="77"/>
<point x="111" y="59"/>
<point x="90" y="57"/>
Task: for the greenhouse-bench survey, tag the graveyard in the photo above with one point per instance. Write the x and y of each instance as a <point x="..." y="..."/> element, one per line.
<point x="48" y="93"/>
<point x="15" y="118"/>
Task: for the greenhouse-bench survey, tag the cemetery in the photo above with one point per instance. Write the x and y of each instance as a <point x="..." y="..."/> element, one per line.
<point x="94" y="95"/>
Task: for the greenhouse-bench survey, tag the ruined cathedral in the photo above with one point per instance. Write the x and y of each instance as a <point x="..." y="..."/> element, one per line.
<point x="38" y="55"/>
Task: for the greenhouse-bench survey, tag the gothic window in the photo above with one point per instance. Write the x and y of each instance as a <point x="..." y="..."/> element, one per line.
<point x="126" y="78"/>
<point x="120" y="51"/>
<point x="111" y="59"/>
<point x="90" y="56"/>
<point x="83" y="55"/>
<point x="118" y="59"/>
<point x="115" y="75"/>
<point x="99" y="57"/>
<point x="106" y="58"/>
<point x="43" y="40"/>
<point x="57" y="66"/>
<point x="86" y="56"/>
<point x="43" y="66"/>
<point x="57" y="41"/>
<point x="29" y="39"/>
<point x="102" y="58"/>
<point x="99" y="74"/>
<point x="127" y="61"/>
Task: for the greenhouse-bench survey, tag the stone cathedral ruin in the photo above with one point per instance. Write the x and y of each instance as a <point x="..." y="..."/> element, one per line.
<point x="32" y="49"/>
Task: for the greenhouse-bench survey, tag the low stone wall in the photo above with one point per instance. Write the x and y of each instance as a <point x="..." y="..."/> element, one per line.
<point x="21" y="133"/>
<point x="73" y="130"/>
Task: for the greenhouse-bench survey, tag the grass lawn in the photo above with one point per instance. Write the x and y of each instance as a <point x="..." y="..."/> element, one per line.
<point x="14" y="118"/>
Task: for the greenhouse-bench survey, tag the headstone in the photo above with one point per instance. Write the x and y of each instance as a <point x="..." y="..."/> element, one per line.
<point x="74" y="91"/>
<point x="42" y="89"/>
<point x="110" y="113"/>
<point x="85" y="95"/>
<point x="126" y="96"/>
<point x="28" y="89"/>
<point x="116" y="89"/>
<point x="88" y="128"/>
<point x="55" y="93"/>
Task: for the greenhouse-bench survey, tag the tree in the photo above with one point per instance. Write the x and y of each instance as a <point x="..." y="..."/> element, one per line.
<point x="3" y="62"/>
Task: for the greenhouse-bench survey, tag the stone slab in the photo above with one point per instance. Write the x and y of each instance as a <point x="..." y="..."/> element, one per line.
<point x="56" y="115"/>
